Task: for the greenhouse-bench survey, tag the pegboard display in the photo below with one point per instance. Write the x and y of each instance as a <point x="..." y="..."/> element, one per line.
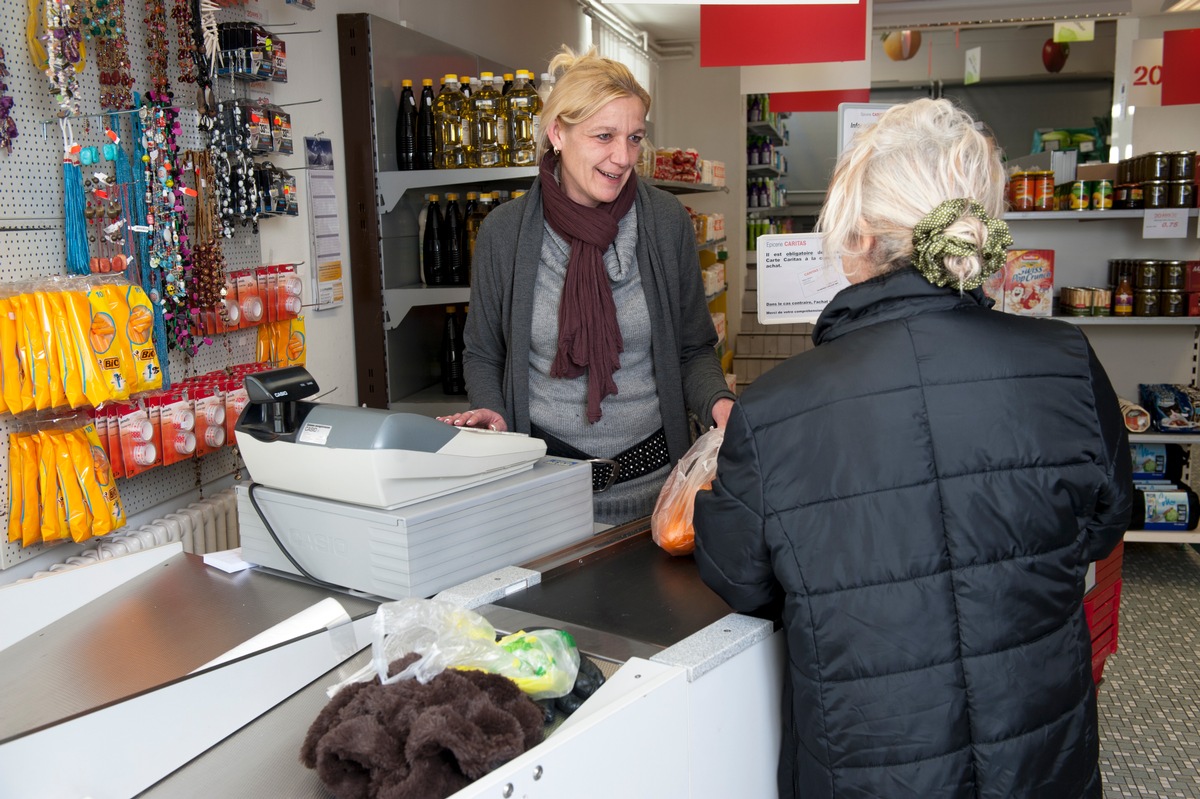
<point x="32" y="235"/>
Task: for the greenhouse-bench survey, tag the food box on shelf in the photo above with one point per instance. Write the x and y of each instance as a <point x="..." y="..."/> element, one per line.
<point x="1029" y="282"/>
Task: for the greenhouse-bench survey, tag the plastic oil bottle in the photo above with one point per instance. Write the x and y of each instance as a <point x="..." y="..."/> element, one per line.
<point x="545" y="86"/>
<point x="406" y="128"/>
<point x="482" y="208"/>
<point x="522" y="109"/>
<point x="453" y="256"/>
<point x="448" y="113"/>
<point x="453" y="381"/>
<point x="425" y="133"/>
<point x="433" y="262"/>
<point x="483" y="116"/>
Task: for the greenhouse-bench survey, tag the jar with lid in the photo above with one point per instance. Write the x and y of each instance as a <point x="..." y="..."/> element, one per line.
<point x="1183" y="165"/>
<point x="1155" y="194"/>
<point x="1173" y="275"/>
<point x="1043" y="191"/>
<point x="1020" y="191"/>
<point x="1172" y="303"/>
<point x="1118" y="269"/>
<point x="1158" y="166"/>
<point x="1181" y="194"/>
<point x="1147" y="275"/>
<point x="1146" y="303"/>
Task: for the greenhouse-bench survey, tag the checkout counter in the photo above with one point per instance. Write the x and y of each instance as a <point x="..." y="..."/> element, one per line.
<point x="155" y="675"/>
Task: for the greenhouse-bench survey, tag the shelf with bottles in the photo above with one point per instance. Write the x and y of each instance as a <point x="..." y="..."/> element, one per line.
<point x="393" y="185"/>
<point x="764" y="171"/>
<point x="1130" y="321"/>
<point x="770" y="129"/>
<point x="1082" y="216"/>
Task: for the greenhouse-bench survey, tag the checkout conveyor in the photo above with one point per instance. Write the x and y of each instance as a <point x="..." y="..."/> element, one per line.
<point x="156" y="675"/>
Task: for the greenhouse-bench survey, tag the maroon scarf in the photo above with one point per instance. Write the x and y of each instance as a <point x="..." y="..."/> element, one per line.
<point x="589" y="337"/>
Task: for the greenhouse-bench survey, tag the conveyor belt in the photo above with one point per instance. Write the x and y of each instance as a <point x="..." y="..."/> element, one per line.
<point x="630" y="588"/>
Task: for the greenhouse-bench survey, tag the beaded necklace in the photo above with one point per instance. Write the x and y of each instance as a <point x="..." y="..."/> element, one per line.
<point x="8" y="126"/>
<point x="104" y="21"/>
<point x="185" y="41"/>
<point x="63" y="51"/>
<point x="157" y="46"/>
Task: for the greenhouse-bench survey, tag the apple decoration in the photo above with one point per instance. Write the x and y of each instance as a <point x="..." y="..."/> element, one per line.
<point x="1054" y="55"/>
<point x="901" y="45"/>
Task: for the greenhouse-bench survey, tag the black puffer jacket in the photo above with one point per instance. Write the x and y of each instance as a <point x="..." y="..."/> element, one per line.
<point x="925" y="490"/>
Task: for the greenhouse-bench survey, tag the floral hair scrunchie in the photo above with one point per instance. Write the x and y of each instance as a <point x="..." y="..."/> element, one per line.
<point x="931" y="245"/>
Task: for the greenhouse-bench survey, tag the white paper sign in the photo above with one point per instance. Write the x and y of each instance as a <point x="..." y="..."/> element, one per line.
<point x="795" y="278"/>
<point x="1165" y="223"/>
<point x="1145" y="77"/>
<point x="974" y="57"/>
<point x="853" y="117"/>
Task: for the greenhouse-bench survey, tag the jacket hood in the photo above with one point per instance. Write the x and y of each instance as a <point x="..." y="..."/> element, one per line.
<point x="895" y="295"/>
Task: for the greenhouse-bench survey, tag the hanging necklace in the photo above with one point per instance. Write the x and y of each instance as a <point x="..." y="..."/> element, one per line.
<point x="8" y="126"/>
<point x="64" y="50"/>
<point x="157" y="46"/>
<point x="185" y="40"/>
<point x="104" y="22"/>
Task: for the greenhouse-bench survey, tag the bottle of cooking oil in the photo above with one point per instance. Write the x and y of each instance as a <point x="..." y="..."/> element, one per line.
<point x="508" y="83"/>
<point x="448" y="113"/>
<point x="522" y="109"/>
<point x="473" y="221"/>
<point x="483" y="114"/>
<point x="453" y="255"/>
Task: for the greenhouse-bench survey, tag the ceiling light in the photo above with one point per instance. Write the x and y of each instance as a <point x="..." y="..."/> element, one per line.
<point x="1180" y="5"/>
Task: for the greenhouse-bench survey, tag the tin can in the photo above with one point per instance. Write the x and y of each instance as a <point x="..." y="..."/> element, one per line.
<point x="1172" y="303"/>
<point x="1158" y="166"/>
<point x="1181" y="194"/>
<point x="1079" y="196"/>
<point x="1102" y="194"/>
<point x="1183" y="165"/>
<point x="1101" y="301"/>
<point x="1074" y="301"/>
<point x="1145" y="303"/>
<point x="1043" y="191"/>
<point x="1154" y="194"/>
<point x="1147" y="275"/>
<point x="1020" y="191"/>
<point x="1173" y="275"/>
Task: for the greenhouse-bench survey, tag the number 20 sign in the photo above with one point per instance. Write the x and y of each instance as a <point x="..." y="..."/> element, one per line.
<point x="1145" y="79"/>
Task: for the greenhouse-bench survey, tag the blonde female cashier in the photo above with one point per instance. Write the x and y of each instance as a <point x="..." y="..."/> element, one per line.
<point x="588" y="326"/>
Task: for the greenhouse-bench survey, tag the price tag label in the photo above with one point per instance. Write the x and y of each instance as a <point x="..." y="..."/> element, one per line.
<point x="1165" y="223"/>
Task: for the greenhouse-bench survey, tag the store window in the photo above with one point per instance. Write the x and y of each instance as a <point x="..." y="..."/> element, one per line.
<point x="621" y="43"/>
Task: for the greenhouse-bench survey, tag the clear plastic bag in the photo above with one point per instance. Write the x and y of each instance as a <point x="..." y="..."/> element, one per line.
<point x="543" y="663"/>
<point x="671" y="523"/>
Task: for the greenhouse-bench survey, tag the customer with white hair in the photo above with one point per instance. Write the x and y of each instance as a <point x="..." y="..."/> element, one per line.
<point x="922" y="493"/>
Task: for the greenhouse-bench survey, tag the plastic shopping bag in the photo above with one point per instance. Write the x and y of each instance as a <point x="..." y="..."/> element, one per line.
<point x="671" y="523"/>
<point x="543" y="663"/>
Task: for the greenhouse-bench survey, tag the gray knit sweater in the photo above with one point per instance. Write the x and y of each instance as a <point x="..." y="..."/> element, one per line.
<point x="497" y="339"/>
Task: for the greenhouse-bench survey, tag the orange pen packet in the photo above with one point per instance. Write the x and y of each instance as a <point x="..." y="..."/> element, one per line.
<point x="84" y="465"/>
<point x="16" y="495"/>
<point x="109" y="318"/>
<point x="139" y="329"/>
<point x="29" y="334"/>
<point x="54" y="372"/>
<point x="79" y="323"/>
<point x="31" y="516"/>
<point x="54" y="516"/>
<point x="66" y="353"/>
<point x="75" y="507"/>
<point x="105" y="478"/>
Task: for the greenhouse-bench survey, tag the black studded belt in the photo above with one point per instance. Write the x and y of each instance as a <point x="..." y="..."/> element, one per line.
<point x="645" y="457"/>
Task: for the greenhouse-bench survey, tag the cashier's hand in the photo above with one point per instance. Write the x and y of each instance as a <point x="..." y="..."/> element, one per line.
<point x="721" y="410"/>
<point x="480" y="417"/>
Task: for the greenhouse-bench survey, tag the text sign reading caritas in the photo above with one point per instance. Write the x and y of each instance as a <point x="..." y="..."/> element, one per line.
<point x="795" y="278"/>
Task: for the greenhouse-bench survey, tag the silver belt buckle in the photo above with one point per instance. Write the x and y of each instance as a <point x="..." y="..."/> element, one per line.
<point x="612" y="475"/>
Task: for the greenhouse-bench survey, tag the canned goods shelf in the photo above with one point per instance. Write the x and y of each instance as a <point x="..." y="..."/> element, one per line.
<point x="1118" y="321"/>
<point x="1081" y="216"/>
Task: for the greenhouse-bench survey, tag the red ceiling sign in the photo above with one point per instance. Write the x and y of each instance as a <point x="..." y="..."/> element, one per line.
<point x="740" y="36"/>
<point x="1180" y="66"/>
<point x="799" y="102"/>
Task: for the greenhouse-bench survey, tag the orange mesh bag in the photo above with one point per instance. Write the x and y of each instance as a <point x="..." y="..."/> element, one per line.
<point x="671" y="523"/>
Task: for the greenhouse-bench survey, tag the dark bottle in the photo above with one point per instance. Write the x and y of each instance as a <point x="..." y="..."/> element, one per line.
<point x="453" y="254"/>
<point x="433" y="263"/>
<point x="406" y="128"/>
<point x="508" y="83"/>
<point x="452" y="368"/>
<point x="425" y="149"/>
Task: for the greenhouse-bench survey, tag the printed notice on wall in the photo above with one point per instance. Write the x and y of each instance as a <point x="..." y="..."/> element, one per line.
<point x="795" y="278"/>
<point x="328" y="280"/>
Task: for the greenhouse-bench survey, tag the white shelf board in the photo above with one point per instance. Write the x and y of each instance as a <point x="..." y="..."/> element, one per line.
<point x="1079" y="216"/>
<point x="1118" y="321"/>
<point x="682" y="187"/>
<point x="766" y="130"/>
<point x="398" y="302"/>
<point x="1164" y="438"/>
<point x="763" y="170"/>
<point x="1163" y="536"/>
<point x="772" y="209"/>
<point x="392" y="185"/>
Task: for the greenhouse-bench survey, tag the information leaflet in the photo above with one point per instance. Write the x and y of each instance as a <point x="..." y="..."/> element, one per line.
<point x="795" y="278"/>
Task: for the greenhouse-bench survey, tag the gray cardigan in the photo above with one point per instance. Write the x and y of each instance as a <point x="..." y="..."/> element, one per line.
<point x="496" y="340"/>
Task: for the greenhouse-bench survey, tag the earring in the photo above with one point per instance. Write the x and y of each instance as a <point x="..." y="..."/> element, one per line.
<point x="557" y="152"/>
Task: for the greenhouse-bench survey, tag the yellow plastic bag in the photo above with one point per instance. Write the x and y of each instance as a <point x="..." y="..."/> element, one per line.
<point x="37" y="360"/>
<point x="671" y="523"/>
<point x="54" y="375"/>
<point x="65" y="351"/>
<point x="107" y="333"/>
<point x="104" y="476"/>
<point x="85" y="470"/>
<point x="75" y="507"/>
<point x="54" y="516"/>
<point x="31" y="516"/>
<point x="138" y="330"/>
<point x="291" y="351"/>
<point x="18" y="393"/>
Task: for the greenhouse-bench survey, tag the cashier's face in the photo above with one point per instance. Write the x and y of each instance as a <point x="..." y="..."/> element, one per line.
<point x="598" y="155"/>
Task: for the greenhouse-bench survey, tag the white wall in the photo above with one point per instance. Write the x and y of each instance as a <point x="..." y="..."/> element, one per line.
<point x="1170" y="127"/>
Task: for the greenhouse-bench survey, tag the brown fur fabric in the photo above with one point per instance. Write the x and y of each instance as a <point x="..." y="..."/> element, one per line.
<point x="414" y="741"/>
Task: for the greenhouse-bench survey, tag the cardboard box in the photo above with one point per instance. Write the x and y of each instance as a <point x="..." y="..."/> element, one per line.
<point x="993" y="287"/>
<point x="1096" y="172"/>
<point x="1029" y="282"/>
<point x="1191" y="276"/>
